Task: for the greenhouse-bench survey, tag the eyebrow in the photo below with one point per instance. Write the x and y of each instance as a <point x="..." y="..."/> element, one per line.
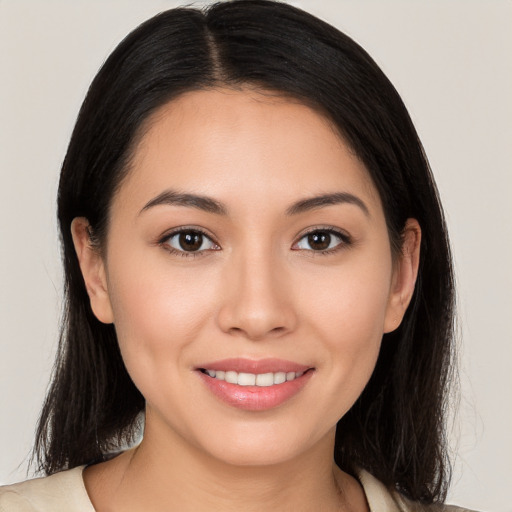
<point x="327" y="200"/>
<point x="173" y="198"/>
<point x="207" y="204"/>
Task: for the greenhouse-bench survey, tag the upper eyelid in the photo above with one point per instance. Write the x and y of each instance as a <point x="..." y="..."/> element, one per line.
<point x="330" y="229"/>
<point x="175" y="231"/>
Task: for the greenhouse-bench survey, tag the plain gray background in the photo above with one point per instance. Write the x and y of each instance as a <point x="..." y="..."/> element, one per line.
<point x="451" y="62"/>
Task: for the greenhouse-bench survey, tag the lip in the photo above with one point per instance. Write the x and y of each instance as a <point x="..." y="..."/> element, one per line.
<point x="270" y="365"/>
<point x="255" y="398"/>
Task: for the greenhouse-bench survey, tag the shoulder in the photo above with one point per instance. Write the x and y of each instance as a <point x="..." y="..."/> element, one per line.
<point x="380" y="498"/>
<point x="61" y="492"/>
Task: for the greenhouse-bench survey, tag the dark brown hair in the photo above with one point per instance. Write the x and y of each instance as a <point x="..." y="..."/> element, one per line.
<point x="396" y="428"/>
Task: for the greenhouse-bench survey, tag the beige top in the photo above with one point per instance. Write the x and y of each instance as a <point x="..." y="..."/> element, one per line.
<point x="65" y="492"/>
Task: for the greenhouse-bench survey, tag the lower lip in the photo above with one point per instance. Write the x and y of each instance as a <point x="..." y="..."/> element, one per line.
<point x="255" y="398"/>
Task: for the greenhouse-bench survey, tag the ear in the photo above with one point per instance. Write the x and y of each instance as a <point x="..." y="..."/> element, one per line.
<point x="404" y="276"/>
<point x="93" y="270"/>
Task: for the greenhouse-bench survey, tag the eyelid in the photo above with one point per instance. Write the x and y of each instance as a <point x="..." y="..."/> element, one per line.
<point x="163" y="239"/>
<point x="346" y="239"/>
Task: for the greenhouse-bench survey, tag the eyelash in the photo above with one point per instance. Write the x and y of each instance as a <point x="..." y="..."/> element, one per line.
<point x="345" y="242"/>
<point x="185" y="254"/>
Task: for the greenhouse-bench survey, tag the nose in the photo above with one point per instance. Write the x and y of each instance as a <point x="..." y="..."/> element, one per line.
<point x="256" y="300"/>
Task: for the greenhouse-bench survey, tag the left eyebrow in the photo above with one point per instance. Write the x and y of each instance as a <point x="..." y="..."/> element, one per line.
<point x="324" y="200"/>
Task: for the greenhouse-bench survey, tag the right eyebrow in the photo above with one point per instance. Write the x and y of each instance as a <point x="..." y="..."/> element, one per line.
<point x="321" y="201"/>
<point x="174" y="198"/>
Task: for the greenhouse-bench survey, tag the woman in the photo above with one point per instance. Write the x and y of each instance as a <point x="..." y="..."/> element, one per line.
<point x="256" y="260"/>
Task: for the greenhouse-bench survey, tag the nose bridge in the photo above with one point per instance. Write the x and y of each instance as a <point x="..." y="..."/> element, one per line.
<point x="256" y="300"/>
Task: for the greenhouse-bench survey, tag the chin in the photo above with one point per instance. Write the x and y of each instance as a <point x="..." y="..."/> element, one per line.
<point x="262" y="447"/>
<point x="254" y="457"/>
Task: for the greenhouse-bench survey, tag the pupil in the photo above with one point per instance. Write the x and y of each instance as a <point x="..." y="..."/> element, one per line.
<point x="191" y="241"/>
<point x="319" y="241"/>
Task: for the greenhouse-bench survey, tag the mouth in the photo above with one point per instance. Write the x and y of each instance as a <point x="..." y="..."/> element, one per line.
<point x="255" y="385"/>
<point x="253" y="379"/>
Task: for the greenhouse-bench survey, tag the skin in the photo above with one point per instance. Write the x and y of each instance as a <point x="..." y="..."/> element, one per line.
<point x="258" y="290"/>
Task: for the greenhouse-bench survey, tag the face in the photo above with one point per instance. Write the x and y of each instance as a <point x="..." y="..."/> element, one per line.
<point x="249" y="275"/>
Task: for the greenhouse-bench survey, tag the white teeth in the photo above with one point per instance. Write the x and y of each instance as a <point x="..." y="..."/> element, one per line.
<point x="246" y="379"/>
<point x="231" y="377"/>
<point x="279" y="377"/>
<point x="265" y="379"/>
<point x="251" y="379"/>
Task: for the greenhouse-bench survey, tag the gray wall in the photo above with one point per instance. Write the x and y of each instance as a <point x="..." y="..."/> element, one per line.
<point x="451" y="62"/>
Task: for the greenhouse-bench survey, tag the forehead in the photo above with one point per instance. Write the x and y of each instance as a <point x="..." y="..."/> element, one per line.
<point x="230" y="143"/>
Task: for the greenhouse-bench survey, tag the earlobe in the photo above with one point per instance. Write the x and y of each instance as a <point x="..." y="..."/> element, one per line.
<point x="93" y="270"/>
<point x="404" y="276"/>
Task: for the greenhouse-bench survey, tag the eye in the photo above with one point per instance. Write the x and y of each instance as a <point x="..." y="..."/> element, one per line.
<point x="189" y="241"/>
<point x="322" y="240"/>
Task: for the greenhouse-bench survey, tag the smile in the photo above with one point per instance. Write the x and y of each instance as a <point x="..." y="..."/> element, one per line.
<point x="252" y="379"/>
<point x="254" y="385"/>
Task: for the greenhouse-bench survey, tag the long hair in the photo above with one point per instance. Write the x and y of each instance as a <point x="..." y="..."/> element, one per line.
<point x="395" y="430"/>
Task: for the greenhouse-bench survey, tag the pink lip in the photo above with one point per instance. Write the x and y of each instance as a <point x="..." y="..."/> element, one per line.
<point x="255" y="366"/>
<point x="255" y="398"/>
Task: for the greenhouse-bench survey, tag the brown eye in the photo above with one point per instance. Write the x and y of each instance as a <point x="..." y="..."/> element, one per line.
<point x="322" y="240"/>
<point x="319" y="241"/>
<point x="190" y="241"/>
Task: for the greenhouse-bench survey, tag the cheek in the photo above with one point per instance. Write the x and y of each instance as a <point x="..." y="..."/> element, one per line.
<point x="157" y="315"/>
<point x="347" y="312"/>
<point x="350" y="302"/>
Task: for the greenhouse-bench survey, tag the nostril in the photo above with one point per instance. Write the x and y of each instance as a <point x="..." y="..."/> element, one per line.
<point x="257" y="333"/>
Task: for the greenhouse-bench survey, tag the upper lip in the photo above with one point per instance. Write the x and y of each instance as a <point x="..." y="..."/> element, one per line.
<point x="242" y="365"/>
